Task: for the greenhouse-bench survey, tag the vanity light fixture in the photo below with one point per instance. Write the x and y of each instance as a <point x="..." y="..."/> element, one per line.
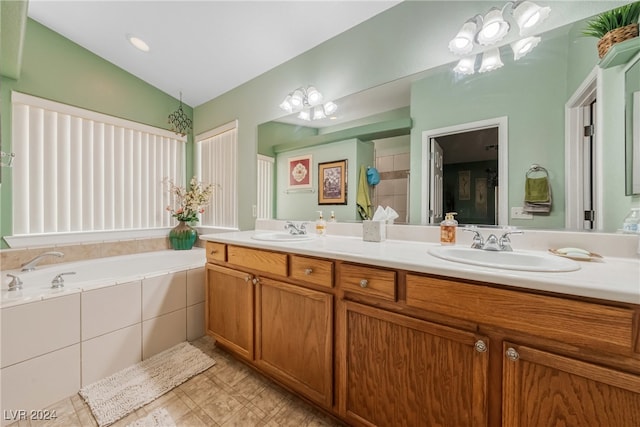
<point x="528" y="14"/>
<point x="523" y="46"/>
<point x="490" y="60"/>
<point x="138" y="43"/>
<point x="494" y="28"/>
<point x="466" y="65"/>
<point x="308" y="102"/>
<point x="489" y="29"/>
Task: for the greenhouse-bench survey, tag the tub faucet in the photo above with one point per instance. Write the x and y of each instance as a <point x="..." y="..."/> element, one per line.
<point x="31" y="265"/>
<point x="16" y="283"/>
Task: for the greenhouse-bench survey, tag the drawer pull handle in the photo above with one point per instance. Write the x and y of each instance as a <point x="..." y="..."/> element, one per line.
<point x="480" y="346"/>
<point x="364" y="283"/>
<point x="512" y="354"/>
<point x="308" y="271"/>
<point x="213" y="251"/>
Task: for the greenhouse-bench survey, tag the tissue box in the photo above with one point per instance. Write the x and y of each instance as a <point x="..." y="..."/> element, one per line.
<point x="374" y="231"/>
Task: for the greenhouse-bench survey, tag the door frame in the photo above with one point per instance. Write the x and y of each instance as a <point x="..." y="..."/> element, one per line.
<point x="502" y="123"/>
<point x="589" y="90"/>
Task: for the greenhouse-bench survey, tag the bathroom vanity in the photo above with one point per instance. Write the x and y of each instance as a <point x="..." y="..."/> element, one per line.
<point x="385" y="334"/>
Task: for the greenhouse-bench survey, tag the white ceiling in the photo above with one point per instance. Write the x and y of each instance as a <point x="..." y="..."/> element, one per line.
<point x="202" y="48"/>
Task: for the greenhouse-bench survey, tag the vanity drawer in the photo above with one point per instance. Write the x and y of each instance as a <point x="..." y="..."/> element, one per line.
<point x="312" y="270"/>
<point x="369" y="281"/>
<point x="257" y="259"/>
<point x="216" y="251"/>
<point x="581" y="323"/>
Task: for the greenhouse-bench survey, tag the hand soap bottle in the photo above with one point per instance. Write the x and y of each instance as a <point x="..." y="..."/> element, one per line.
<point x="448" y="229"/>
<point x="321" y="225"/>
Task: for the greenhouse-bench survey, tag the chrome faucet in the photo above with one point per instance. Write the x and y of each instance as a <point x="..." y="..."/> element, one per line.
<point x="58" y="281"/>
<point x="492" y="243"/>
<point x="31" y="265"/>
<point x="15" y="283"/>
<point x="296" y="229"/>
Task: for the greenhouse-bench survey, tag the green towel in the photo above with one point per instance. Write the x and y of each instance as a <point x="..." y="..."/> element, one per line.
<point x="536" y="190"/>
<point x="362" y="198"/>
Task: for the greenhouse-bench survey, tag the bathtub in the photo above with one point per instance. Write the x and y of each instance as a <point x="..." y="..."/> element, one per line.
<point x="112" y="313"/>
<point x="95" y="273"/>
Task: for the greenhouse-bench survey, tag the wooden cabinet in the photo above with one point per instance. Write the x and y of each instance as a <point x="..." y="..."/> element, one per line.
<point x="399" y="371"/>
<point x="229" y="309"/>
<point x="383" y="347"/>
<point x="541" y="389"/>
<point x="284" y="329"/>
<point x="294" y="337"/>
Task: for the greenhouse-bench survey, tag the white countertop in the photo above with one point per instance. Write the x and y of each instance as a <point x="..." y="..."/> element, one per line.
<point x="612" y="278"/>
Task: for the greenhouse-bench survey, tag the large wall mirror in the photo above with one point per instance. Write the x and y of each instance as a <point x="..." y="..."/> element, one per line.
<point x="533" y="96"/>
<point x="632" y="125"/>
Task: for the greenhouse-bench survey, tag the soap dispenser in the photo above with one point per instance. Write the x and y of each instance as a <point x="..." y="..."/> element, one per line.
<point x="321" y="225"/>
<point x="448" y="229"/>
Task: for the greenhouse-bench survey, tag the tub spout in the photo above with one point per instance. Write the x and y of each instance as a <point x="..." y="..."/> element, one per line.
<point x="31" y="265"/>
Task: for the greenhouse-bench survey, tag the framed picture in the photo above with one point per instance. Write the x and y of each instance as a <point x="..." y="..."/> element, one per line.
<point x="481" y="196"/>
<point x="300" y="172"/>
<point x="464" y="185"/>
<point x="332" y="183"/>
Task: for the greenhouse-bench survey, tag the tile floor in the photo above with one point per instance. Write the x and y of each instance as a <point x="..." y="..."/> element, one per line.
<point x="227" y="394"/>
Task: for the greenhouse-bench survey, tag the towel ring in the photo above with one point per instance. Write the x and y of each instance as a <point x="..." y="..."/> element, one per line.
<point x="537" y="168"/>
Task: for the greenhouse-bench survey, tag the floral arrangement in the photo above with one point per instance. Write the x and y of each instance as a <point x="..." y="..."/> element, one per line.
<point x="189" y="203"/>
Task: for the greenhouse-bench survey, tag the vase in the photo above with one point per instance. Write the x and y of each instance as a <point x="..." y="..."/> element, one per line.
<point x="182" y="236"/>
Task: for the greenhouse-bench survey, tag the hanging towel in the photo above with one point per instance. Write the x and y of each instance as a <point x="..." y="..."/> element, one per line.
<point x="362" y="197"/>
<point x="537" y="191"/>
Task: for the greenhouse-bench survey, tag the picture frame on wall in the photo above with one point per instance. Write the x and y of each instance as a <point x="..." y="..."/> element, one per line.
<point x="464" y="185"/>
<point x="300" y="172"/>
<point x="332" y="183"/>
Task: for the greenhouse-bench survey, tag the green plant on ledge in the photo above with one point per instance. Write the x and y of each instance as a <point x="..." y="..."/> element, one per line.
<point x="612" y="19"/>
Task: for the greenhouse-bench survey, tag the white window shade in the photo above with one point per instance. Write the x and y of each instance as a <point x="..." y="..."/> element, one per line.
<point x="80" y="171"/>
<point x="216" y="161"/>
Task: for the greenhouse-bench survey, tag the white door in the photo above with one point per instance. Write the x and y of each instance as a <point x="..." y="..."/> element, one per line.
<point x="436" y="195"/>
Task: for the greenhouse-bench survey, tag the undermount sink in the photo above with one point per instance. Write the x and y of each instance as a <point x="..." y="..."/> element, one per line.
<point x="282" y="237"/>
<point x="516" y="260"/>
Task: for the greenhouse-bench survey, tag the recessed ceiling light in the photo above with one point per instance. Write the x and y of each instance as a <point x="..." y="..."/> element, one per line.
<point x="138" y="43"/>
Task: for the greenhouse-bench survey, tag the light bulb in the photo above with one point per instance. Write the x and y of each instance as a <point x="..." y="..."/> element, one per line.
<point x="490" y="60"/>
<point x="494" y="28"/>
<point x="528" y="15"/>
<point x="304" y="115"/>
<point x="330" y="108"/>
<point x="466" y="65"/>
<point x="313" y="96"/>
<point x="296" y="98"/>
<point x="524" y="46"/>
<point x="462" y="43"/>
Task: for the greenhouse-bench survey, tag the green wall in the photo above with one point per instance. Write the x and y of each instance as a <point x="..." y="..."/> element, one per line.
<point x="55" y="68"/>
<point x="299" y="205"/>
<point x="535" y="118"/>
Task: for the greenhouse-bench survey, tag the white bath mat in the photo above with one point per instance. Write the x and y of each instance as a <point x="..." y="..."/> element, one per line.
<point x="157" y="418"/>
<point x="125" y="391"/>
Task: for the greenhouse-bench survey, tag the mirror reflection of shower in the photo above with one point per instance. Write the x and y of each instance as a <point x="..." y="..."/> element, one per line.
<point x="470" y="175"/>
<point x="392" y="162"/>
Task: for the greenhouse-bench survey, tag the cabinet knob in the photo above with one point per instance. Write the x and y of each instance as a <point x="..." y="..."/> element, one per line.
<point x="247" y="278"/>
<point x="480" y="346"/>
<point x="364" y="283"/>
<point x="512" y="354"/>
<point x="256" y="280"/>
<point x="308" y="271"/>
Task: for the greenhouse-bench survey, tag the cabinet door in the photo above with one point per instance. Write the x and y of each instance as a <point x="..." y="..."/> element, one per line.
<point x="399" y="371"/>
<point x="294" y="337"/>
<point x="229" y="309"/>
<point x="544" y="389"/>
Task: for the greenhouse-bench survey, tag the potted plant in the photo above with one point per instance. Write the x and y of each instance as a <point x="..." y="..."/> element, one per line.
<point x="614" y="26"/>
<point x="187" y="205"/>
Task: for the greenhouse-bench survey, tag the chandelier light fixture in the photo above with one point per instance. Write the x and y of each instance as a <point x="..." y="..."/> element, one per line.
<point x="307" y="102"/>
<point x="179" y="121"/>
<point x="490" y="28"/>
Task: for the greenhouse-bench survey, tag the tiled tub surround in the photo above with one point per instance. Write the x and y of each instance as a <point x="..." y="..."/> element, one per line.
<point x="113" y="313"/>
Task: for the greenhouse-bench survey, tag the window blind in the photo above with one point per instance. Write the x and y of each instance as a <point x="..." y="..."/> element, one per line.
<point x="265" y="187"/>
<point x="216" y="155"/>
<point x="76" y="170"/>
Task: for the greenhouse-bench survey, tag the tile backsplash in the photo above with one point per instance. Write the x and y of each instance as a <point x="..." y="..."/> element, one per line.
<point x="11" y="259"/>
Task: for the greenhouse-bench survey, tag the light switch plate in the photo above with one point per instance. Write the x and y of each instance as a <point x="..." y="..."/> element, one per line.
<point x="519" y="213"/>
